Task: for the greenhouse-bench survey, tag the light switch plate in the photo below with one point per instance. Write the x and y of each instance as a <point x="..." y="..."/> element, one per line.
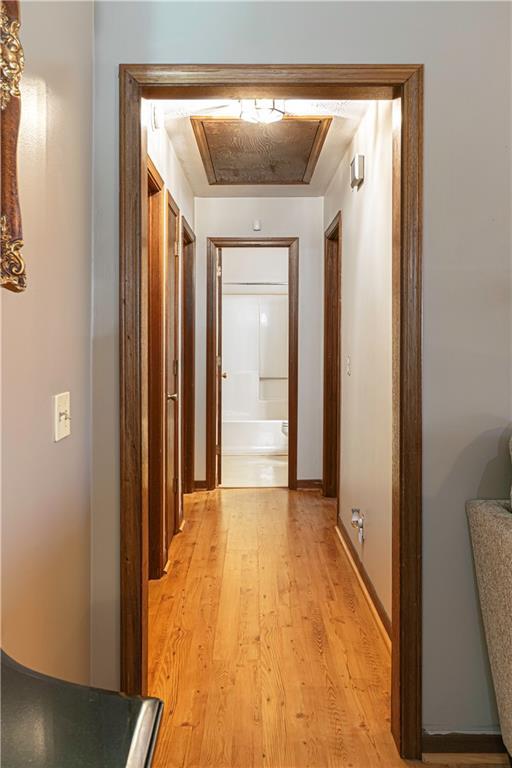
<point x="61" y="416"/>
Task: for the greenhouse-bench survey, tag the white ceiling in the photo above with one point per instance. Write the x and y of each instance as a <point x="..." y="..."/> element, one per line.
<point x="346" y="118"/>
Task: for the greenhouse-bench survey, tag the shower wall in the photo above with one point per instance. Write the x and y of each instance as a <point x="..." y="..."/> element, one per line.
<point x="255" y="350"/>
<point x="255" y="356"/>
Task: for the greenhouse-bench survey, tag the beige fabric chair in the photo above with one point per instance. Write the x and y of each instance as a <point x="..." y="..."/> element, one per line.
<point x="491" y="534"/>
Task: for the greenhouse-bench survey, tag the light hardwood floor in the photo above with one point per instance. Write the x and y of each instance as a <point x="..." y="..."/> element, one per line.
<point x="261" y="471"/>
<point x="262" y="645"/>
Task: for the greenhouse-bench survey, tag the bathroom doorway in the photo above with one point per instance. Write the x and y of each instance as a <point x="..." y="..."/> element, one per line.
<point x="254" y="327"/>
<point x="252" y="352"/>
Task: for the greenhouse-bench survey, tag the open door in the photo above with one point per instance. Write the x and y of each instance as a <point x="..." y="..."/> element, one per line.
<point x="174" y="508"/>
<point x="214" y="371"/>
<point x="332" y="357"/>
<point x="156" y="373"/>
<point x="165" y="510"/>
<point x="218" y="395"/>
<point x="188" y="354"/>
<point x="214" y="368"/>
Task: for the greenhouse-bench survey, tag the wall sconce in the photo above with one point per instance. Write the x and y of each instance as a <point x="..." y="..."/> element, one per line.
<point x="357" y="171"/>
<point x="157" y="117"/>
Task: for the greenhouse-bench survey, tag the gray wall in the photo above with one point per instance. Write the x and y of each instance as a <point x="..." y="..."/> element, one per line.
<point x="46" y="350"/>
<point x="465" y="47"/>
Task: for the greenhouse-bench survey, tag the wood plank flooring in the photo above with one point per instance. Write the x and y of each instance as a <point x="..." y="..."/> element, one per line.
<point x="262" y="645"/>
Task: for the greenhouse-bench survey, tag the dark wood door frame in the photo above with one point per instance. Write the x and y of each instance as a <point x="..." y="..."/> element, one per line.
<point x="188" y="409"/>
<point x="172" y="365"/>
<point x="332" y="357"/>
<point x="214" y="375"/>
<point x="214" y="243"/>
<point x="404" y="84"/>
<point x="157" y="555"/>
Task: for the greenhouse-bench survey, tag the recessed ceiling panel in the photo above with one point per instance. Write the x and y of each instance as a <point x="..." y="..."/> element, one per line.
<point x="237" y="152"/>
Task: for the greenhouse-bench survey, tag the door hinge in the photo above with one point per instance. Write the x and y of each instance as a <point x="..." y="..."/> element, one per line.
<point x="219" y="361"/>
<point x="219" y="270"/>
<point x="217" y="450"/>
<point x="175" y="485"/>
<point x="175" y="367"/>
<point x="176" y="248"/>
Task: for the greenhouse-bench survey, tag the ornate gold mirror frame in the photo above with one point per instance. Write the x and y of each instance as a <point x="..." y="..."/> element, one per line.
<point x="12" y="266"/>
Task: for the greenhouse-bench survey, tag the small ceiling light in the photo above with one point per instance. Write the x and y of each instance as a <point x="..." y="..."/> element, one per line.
<point x="261" y="110"/>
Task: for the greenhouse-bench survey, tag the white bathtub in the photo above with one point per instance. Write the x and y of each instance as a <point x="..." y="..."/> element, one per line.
<point x="254" y="437"/>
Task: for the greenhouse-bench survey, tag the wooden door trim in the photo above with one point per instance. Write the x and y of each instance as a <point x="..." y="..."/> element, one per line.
<point x="332" y="366"/>
<point x="293" y="361"/>
<point x="133" y="394"/>
<point x="211" y="383"/>
<point x="154" y="174"/>
<point x="349" y="81"/>
<point x="172" y="206"/>
<point x="156" y="377"/>
<point x="218" y="403"/>
<point x="188" y="356"/>
<point x="407" y="237"/>
<point x="292" y="244"/>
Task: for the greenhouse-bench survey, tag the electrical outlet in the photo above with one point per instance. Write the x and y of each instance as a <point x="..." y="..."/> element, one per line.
<point x="358" y="523"/>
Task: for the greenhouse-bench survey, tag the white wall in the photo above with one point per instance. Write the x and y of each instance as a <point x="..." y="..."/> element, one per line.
<point x="255" y="265"/>
<point x="280" y="217"/>
<point x="161" y="150"/>
<point x="366" y="411"/>
<point x="46" y="350"/>
<point x="467" y="330"/>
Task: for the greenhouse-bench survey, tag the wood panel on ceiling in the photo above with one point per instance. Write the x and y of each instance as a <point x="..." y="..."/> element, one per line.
<point x="237" y="152"/>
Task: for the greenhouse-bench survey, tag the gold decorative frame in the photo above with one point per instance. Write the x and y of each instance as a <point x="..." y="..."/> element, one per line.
<point x="12" y="60"/>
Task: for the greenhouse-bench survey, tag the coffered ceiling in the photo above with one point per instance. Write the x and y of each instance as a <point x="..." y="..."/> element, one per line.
<point x="223" y="156"/>
<point x="238" y="152"/>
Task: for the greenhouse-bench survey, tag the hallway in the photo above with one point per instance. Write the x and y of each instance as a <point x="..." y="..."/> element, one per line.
<point x="261" y="642"/>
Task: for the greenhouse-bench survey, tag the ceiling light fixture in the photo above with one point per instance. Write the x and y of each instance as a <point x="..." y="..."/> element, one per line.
<point x="261" y="110"/>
